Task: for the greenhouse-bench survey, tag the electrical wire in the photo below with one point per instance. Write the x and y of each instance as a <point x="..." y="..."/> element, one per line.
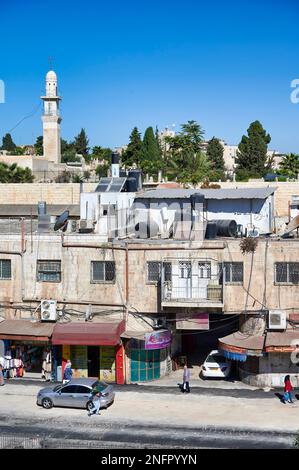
<point x="25" y="117"/>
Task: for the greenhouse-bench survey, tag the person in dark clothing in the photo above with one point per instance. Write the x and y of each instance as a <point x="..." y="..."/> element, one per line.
<point x="288" y="388"/>
<point x="68" y="373"/>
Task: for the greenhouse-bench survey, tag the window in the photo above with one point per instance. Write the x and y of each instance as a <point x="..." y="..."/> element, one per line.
<point x="102" y="271"/>
<point x="82" y="389"/>
<point x="185" y="270"/>
<point x="233" y="273"/>
<point x="154" y="271"/>
<point x="49" y="271"/>
<point x="287" y="273"/>
<point x="5" y="269"/>
<point x="69" y="389"/>
<point x="204" y="270"/>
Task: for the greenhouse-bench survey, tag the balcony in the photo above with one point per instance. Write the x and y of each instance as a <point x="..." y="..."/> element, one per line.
<point x="191" y="284"/>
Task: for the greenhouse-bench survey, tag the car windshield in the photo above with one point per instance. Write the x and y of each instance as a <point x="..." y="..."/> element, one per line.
<point x="217" y="358"/>
<point x="57" y="388"/>
<point x="99" y="384"/>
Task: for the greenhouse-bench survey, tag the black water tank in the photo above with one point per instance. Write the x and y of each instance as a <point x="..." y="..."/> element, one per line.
<point x="114" y="158"/>
<point x="226" y="228"/>
<point x="131" y="185"/>
<point x="122" y="173"/>
<point x="211" y="230"/>
<point x="196" y="199"/>
<point x="137" y="175"/>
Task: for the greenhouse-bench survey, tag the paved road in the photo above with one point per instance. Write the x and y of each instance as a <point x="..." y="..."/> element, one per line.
<point x="174" y="389"/>
<point x="104" y="434"/>
<point x="142" y="418"/>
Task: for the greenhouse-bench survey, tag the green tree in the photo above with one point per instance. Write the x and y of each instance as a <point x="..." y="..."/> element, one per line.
<point x="185" y="160"/>
<point x="102" y="170"/>
<point x="15" y="174"/>
<point x="81" y="144"/>
<point x="151" y="161"/>
<point x="215" y="154"/>
<point x="101" y="153"/>
<point x="133" y="153"/>
<point x="39" y="145"/>
<point x="252" y="151"/>
<point x="8" y="144"/>
<point x="289" y="165"/>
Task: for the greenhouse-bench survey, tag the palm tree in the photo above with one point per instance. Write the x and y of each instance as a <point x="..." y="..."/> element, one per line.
<point x="290" y="165"/>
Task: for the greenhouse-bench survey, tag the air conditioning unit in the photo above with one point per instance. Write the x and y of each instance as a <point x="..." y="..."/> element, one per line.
<point x="160" y="322"/>
<point x="86" y="225"/>
<point x="48" y="310"/>
<point x="277" y="320"/>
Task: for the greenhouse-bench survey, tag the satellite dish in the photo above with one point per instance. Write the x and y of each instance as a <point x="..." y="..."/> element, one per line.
<point x="61" y="221"/>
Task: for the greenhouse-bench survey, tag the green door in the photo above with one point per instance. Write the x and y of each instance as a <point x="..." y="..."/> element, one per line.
<point x="134" y="365"/>
<point x="156" y="362"/>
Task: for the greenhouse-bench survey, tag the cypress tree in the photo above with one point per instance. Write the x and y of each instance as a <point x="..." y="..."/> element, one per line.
<point x="252" y="150"/>
<point x="8" y="144"/>
<point x="133" y="153"/>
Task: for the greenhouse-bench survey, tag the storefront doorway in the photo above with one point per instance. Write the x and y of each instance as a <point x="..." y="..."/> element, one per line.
<point x="93" y="361"/>
<point x="145" y="365"/>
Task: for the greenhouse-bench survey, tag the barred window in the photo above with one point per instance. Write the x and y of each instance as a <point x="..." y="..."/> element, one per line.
<point x="154" y="271"/>
<point x="5" y="269"/>
<point x="287" y="273"/>
<point x="102" y="271"/>
<point x="204" y="270"/>
<point x="185" y="270"/>
<point x="48" y="271"/>
<point x="233" y="272"/>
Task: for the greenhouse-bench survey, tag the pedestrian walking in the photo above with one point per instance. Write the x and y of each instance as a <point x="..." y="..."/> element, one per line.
<point x="186" y="379"/>
<point x="288" y="388"/>
<point x="1" y="375"/>
<point x="95" y="396"/>
<point x="68" y="372"/>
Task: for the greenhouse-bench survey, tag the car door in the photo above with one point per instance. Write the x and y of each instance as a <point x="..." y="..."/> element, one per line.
<point x="66" y="395"/>
<point x="81" y="396"/>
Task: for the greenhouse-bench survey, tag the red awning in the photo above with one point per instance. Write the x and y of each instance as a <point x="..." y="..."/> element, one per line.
<point x="88" y="334"/>
<point x="25" y="330"/>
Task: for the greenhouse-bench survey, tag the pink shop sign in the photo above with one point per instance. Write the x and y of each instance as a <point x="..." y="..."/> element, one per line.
<point x="157" y="339"/>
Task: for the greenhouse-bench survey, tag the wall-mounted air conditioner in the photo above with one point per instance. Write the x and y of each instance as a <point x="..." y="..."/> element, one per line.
<point x="277" y="320"/>
<point x="86" y="225"/>
<point x="48" y="310"/>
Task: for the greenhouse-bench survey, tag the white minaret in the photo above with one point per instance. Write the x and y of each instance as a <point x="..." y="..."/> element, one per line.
<point x="51" y="120"/>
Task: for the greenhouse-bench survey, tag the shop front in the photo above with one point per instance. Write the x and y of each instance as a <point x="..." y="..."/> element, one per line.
<point x="264" y="360"/>
<point x="26" y="349"/>
<point x="94" y="349"/>
<point x="148" y="355"/>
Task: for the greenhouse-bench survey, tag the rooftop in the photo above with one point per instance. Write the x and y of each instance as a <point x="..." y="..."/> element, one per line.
<point x="232" y="193"/>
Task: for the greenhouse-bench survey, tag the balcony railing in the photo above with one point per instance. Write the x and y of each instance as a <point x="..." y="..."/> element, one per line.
<point x="209" y="293"/>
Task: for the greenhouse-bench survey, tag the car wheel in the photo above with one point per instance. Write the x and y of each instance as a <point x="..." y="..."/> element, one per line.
<point x="47" y="403"/>
<point x="89" y="405"/>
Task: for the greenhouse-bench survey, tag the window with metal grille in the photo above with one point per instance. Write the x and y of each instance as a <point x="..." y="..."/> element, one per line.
<point x="102" y="271"/>
<point x="233" y="273"/>
<point x="154" y="271"/>
<point x="5" y="269"/>
<point x="185" y="270"/>
<point x="287" y="273"/>
<point x="204" y="270"/>
<point x="48" y="271"/>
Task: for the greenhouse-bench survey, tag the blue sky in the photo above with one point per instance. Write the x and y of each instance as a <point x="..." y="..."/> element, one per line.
<point x="126" y="63"/>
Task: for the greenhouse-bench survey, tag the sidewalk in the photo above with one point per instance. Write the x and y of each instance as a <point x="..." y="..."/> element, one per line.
<point x="196" y="381"/>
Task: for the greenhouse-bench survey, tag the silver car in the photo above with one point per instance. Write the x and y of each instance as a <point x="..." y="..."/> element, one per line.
<point x="75" y="394"/>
